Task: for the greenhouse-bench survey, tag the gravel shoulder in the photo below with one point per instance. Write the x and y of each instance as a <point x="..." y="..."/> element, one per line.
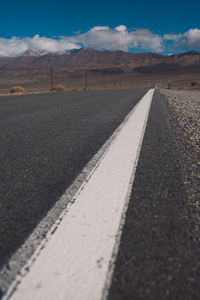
<point x="183" y="110"/>
<point x="185" y="107"/>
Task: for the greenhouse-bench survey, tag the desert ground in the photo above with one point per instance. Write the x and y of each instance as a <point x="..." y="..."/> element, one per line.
<point x="40" y="81"/>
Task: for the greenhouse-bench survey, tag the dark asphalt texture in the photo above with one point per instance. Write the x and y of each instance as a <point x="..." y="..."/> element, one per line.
<point x="46" y="140"/>
<point x="158" y="256"/>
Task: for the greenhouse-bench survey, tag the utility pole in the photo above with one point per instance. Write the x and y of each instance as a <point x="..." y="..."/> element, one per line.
<point x="51" y="75"/>
<point x="114" y="81"/>
<point x="86" y="81"/>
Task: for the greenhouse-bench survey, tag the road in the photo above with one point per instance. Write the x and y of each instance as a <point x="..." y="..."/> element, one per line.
<point x="159" y="254"/>
<point x="47" y="140"/>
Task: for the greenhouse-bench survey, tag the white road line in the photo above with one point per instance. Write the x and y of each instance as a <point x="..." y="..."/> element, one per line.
<point x="75" y="262"/>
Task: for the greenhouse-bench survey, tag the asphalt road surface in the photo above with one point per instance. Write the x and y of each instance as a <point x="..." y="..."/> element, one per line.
<point x="46" y="140"/>
<point x="159" y="255"/>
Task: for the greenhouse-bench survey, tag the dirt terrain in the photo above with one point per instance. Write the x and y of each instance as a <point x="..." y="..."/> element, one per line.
<point x="105" y="70"/>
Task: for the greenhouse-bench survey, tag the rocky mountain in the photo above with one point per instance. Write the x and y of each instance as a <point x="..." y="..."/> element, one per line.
<point x="33" y="52"/>
<point x="89" y="59"/>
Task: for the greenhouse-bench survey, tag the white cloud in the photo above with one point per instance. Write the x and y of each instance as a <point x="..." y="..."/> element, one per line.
<point x="146" y="40"/>
<point x="104" y="38"/>
<point x="119" y="38"/>
<point x="192" y="38"/>
<point x="172" y="37"/>
<point x="15" y="46"/>
<point x="189" y="39"/>
<point x="100" y="28"/>
<point x="98" y="37"/>
<point x="121" y="28"/>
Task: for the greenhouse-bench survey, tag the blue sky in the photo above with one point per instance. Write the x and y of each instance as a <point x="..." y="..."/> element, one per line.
<point x="53" y="19"/>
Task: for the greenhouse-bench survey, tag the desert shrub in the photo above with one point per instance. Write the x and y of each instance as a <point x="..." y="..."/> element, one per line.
<point x="59" y="88"/>
<point x="195" y="82"/>
<point x="17" y="89"/>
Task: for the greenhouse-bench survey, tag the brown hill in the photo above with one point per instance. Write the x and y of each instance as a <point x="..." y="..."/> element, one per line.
<point x="92" y="59"/>
<point x="102" y="66"/>
<point x="184" y="59"/>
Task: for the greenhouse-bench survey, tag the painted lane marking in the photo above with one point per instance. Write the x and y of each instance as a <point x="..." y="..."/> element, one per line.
<point x="17" y="267"/>
<point x="75" y="263"/>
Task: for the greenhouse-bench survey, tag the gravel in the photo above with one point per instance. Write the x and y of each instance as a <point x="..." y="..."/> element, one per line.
<point x="184" y="119"/>
<point x="185" y="106"/>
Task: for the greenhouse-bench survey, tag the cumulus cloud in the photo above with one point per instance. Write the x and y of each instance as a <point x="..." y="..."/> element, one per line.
<point x="189" y="39"/>
<point x="98" y="37"/>
<point x="172" y="37"/>
<point x="15" y="45"/>
<point x="121" y="28"/>
<point x="119" y="38"/>
<point x="104" y="38"/>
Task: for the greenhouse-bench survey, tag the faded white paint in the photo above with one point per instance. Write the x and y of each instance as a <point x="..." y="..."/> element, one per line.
<point x="74" y="263"/>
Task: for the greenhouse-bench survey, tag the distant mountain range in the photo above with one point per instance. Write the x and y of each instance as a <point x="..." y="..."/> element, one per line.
<point x="89" y="59"/>
<point x="33" y="52"/>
